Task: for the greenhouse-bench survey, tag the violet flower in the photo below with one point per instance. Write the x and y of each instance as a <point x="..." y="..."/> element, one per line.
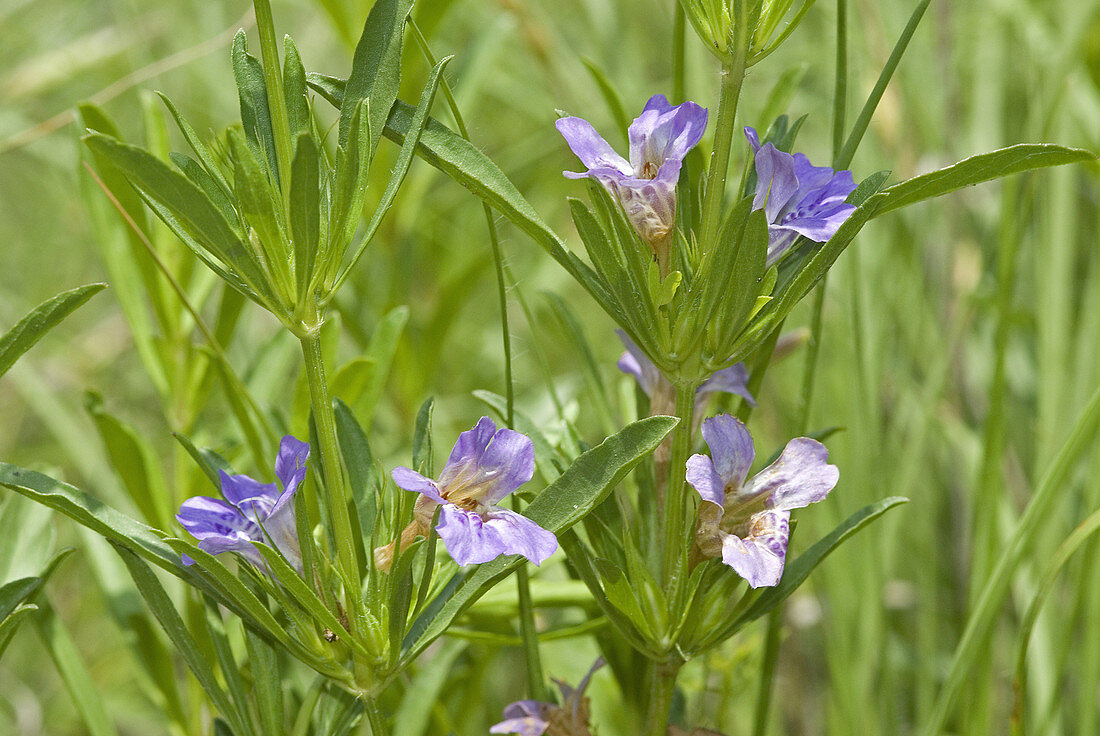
<point x="798" y="197"/>
<point x="485" y="466"/>
<point x="732" y="380"/>
<point x="748" y="522"/>
<point x="645" y="185"/>
<point x="535" y="718"/>
<point x="251" y="512"/>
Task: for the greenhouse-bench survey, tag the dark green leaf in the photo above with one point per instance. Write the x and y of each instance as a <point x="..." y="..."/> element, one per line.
<point x="376" y="68"/>
<point x="255" y="112"/>
<point x="294" y="89"/>
<point x="305" y="209"/>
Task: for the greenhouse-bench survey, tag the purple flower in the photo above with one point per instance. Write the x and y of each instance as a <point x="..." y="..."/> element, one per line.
<point x="798" y="197"/>
<point x="748" y="522"/>
<point x="485" y="466"/>
<point x="645" y="185"/>
<point x="732" y="380"/>
<point x="533" y="718"/>
<point x="255" y="512"/>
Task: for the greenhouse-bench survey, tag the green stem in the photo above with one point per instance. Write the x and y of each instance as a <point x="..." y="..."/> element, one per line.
<point x="339" y="498"/>
<point x="677" y="528"/>
<point x="660" y="697"/>
<point x="375" y="718"/>
<point x="733" y="74"/>
<point x="276" y="100"/>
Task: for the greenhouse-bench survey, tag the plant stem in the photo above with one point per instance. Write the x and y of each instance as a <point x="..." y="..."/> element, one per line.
<point x="375" y="718"/>
<point x="276" y="100"/>
<point x="678" y="28"/>
<point x="733" y="74"/>
<point x="339" y="498"/>
<point x="660" y="702"/>
<point x="677" y="528"/>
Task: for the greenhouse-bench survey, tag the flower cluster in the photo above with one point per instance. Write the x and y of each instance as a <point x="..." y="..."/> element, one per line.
<point x="747" y="522"/>
<point x="251" y="512"/>
<point x="645" y="185"/>
<point x="485" y="465"/>
<point x="799" y="199"/>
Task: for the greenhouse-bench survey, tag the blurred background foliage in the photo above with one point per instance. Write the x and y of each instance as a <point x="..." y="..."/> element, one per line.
<point x="959" y="338"/>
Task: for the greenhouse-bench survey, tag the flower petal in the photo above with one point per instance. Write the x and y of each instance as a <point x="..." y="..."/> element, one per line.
<point x="466" y="454"/>
<point x="664" y="132"/>
<point x="731" y="448"/>
<point x="525" y="717"/>
<point x="760" y="556"/>
<point x="589" y="146"/>
<point x="290" y="465"/>
<point x="206" y="517"/>
<point x="507" y="464"/>
<point x="799" y="477"/>
<point x="239" y="489"/>
<point x="703" y="478"/>
<point x="776" y="183"/>
<point x="520" y="536"/>
<point x="732" y="380"/>
<point x="411" y="480"/>
<point x="465" y="536"/>
<point x="281" y="530"/>
<point x="637" y="364"/>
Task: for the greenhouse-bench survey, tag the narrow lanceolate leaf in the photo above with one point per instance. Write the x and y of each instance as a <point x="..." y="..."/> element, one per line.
<point x="462" y="161"/>
<point x="797" y="572"/>
<point x="255" y="112"/>
<point x="585" y="484"/>
<point x="294" y="89"/>
<point x="404" y="160"/>
<point x="974" y="170"/>
<point x="305" y="210"/>
<point x="161" y="606"/>
<point x="17" y="599"/>
<point x="41" y="320"/>
<point x="978" y="169"/>
<point x="193" y="213"/>
<point x="376" y="67"/>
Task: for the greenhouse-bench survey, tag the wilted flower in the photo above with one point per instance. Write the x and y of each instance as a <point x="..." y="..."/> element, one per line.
<point x="798" y="197"/>
<point x="732" y="380"/>
<point x="255" y="512"/>
<point x="645" y="185"/>
<point x="534" y="718"/>
<point x="485" y="466"/>
<point x="748" y="522"/>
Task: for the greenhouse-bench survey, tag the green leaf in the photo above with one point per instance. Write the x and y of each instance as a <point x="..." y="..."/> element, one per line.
<point x="201" y="150"/>
<point x="381" y="351"/>
<point x="359" y="460"/>
<point x="977" y="169"/>
<point x="349" y="189"/>
<point x="305" y="209"/>
<point x="208" y="461"/>
<point x="161" y="606"/>
<point x="586" y="483"/>
<point x="422" y="438"/>
<point x="400" y="169"/>
<point x="260" y="206"/>
<point x="78" y="681"/>
<point x="40" y="320"/>
<point x="610" y="96"/>
<point x="135" y="462"/>
<point x="462" y="161"/>
<point x="192" y="212"/>
<point x="619" y="592"/>
<point x="255" y="112"/>
<point x="411" y="717"/>
<point x="376" y="68"/>
<point x="294" y="89"/>
<point x="797" y="572"/>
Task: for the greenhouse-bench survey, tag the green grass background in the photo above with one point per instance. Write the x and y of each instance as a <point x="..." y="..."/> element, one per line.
<point x="959" y="341"/>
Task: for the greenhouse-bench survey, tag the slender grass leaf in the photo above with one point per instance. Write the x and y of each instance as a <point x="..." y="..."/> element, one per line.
<point x="74" y="673"/>
<point x="161" y="606"/>
<point x="209" y="163"/>
<point x="29" y="330"/>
